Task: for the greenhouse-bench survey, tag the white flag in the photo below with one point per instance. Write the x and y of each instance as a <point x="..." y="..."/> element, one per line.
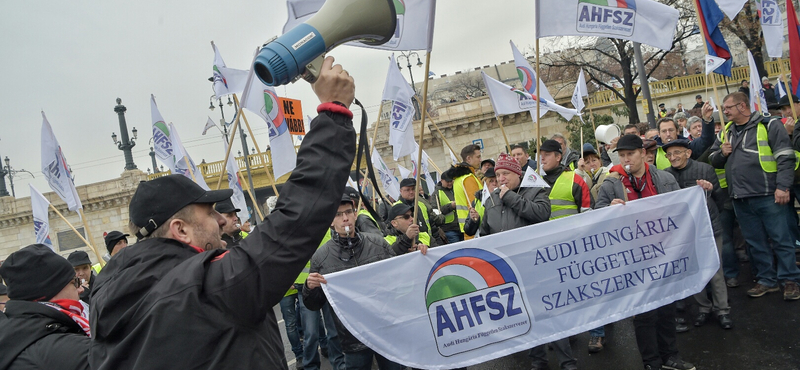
<point x="388" y="181"/>
<point x="532" y="179"/>
<point x="184" y="164"/>
<point x="401" y="129"/>
<point x="713" y="63"/>
<point x="351" y="183"/>
<point x="579" y="93"/>
<point x="425" y="173"/>
<point x="731" y="7"/>
<point x="508" y="100"/>
<point x="714" y="105"/>
<point x="485" y="194"/>
<point x="56" y="170"/>
<point x="644" y="21"/>
<point x="414" y="23"/>
<point x="227" y="80"/>
<point x="527" y="75"/>
<point x="771" y="26"/>
<point x="263" y="101"/>
<point x="758" y="103"/>
<point x="404" y="172"/>
<point x="162" y="144"/>
<point x="779" y="88"/>
<point x="453" y="157"/>
<point x="209" y="124"/>
<point x="234" y="182"/>
<point x="41" y="220"/>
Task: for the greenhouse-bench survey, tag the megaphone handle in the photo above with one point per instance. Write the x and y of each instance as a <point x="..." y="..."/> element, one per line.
<point x="313" y="69"/>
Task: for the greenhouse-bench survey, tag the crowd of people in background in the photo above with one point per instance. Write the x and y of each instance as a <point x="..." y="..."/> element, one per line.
<point x="198" y="288"/>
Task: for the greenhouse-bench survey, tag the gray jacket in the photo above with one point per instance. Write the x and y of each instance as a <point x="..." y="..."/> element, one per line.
<point x="688" y="176"/>
<point x="613" y="188"/>
<point x="518" y="208"/>
<point x="326" y="260"/>
<point x="743" y="171"/>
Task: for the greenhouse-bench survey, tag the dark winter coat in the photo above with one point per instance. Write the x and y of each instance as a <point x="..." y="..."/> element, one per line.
<point x="35" y="337"/>
<point x="518" y="208"/>
<point x="164" y="305"/>
<point x="688" y="176"/>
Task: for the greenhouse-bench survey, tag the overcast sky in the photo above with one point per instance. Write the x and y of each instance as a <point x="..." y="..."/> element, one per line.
<point x="73" y="59"/>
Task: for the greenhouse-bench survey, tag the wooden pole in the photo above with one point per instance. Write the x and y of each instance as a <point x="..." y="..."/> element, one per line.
<point x="441" y="133"/>
<point x="538" y="115"/>
<point x="189" y="167"/>
<point x="594" y="127"/>
<point x="581" y="141"/>
<point x="255" y="143"/>
<point x="713" y="78"/>
<point x="375" y="129"/>
<point x="789" y="93"/>
<point x="252" y="195"/>
<point x="230" y="145"/>
<point x="503" y="130"/>
<point x="422" y="133"/>
<point x="88" y="233"/>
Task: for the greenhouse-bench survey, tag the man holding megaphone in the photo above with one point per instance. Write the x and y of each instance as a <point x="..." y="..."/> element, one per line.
<point x="180" y="299"/>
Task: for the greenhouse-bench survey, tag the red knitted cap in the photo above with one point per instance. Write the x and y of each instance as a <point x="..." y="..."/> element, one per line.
<point x="507" y="162"/>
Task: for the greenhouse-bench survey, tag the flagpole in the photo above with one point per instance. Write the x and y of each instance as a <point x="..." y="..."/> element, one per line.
<point x="441" y="133"/>
<point x="189" y="167"/>
<point x="88" y="233"/>
<point x="581" y="141"/>
<point x="500" y="123"/>
<point x="422" y="133"/>
<point x="253" y="137"/>
<point x="252" y="196"/>
<point x="538" y="115"/>
<point x="375" y="129"/>
<point x="594" y="127"/>
<point x="789" y="93"/>
<point x="713" y="78"/>
<point x="230" y="145"/>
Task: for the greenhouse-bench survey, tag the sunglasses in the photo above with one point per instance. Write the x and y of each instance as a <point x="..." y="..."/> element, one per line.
<point x="405" y="217"/>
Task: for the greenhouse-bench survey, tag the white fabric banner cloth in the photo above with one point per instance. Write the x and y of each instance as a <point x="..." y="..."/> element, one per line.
<point x="731" y="7"/>
<point x="509" y="100"/>
<point x="580" y="91"/>
<point x="481" y="299"/>
<point x="162" y="144"/>
<point x="184" y="164"/>
<point x="235" y="184"/>
<point x="389" y="182"/>
<point x="41" y="219"/>
<point x="772" y="26"/>
<point x="56" y="170"/>
<point x="226" y="80"/>
<point x="533" y="179"/>
<point x="713" y="63"/>
<point x="758" y="102"/>
<point x="401" y="115"/>
<point x="644" y="21"/>
<point x="414" y="29"/>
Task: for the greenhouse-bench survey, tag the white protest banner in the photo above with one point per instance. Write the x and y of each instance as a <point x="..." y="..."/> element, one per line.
<point x="226" y="80"/>
<point x="184" y="164"/>
<point x="56" y="170"/>
<point x="758" y="102"/>
<point x="390" y="184"/>
<point x="580" y="91"/>
<point x="235" y="184"/>
<point x="401" y="131"/>
<point x="713" y="63"/>
<point x="425" y="173"/>
<point x="771" y="26"/>
<point x="162" y="144"/>
<point x="731" y="7"/>
<point x="477" y="300"/>
<point x="644" y="21"/>
<point x="779" y="88"/>
<point x="533" y="179"/>
<point x="414" y="29"/>
<point x="509" y="100"/>
<point x="209" y="124"/>
<point x="41" y="220"/>
<point x="404" y="172"/>
<point x="714" y="105"/>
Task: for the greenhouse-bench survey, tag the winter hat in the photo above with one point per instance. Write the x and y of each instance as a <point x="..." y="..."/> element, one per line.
<point x="507" y="162"/>
<point x="36" y="273"/>
<point x="79" y="258"/>
<point x="408" y="182"/>
<point x="111" y="239"/>
<point x="551" y="146"/>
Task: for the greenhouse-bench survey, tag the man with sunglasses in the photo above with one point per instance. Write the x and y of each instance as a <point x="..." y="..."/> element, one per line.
<point x="347" y="249"/>
<point x="759" y="163"/>
<point x="47" y="326"/>
<point x="404" y="235"/>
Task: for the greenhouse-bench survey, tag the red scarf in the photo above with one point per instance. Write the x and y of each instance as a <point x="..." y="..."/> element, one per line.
<point x="76" y="310"/>
<point x="641" y="188"/>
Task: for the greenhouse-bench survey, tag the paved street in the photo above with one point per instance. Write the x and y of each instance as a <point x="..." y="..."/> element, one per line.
<point x="766" y="335"/>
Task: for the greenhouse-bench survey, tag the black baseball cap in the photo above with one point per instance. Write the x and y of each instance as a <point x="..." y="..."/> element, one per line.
<point x="447" y="175"/>
<point x="79" y="258"/>
<point x="398" y="210"/>
<point x="352" y="193"/>
<point x="155" y="201"/>
<point x="226" y="206"/>
<point x="408" y="182"/>
<point x="489" y="173"/>
<point x="784" y="102"/>
<point x="551" y="146"/>
<point x="346" y="198"/>
<point x="112" y="238"/>
<point x="36" y="273"/>
<point x="489" y="160"/>
<point x="677" y="142"/>
<point x="629" y="142"/>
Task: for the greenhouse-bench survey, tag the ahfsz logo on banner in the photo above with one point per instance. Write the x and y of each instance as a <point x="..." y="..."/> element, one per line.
<point x="474" y="299"/>
<point x="619" y="20"/>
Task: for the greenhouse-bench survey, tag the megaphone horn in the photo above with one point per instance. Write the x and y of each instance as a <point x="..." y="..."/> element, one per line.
<point x="299" y="52"/>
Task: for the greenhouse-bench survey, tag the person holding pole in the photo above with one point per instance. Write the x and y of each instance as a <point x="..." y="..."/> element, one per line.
<point x="213" y="307"/>
<point x="466" y="183"/>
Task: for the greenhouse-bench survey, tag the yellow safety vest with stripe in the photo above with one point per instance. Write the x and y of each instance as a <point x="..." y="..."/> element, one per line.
<point x="424" y="238"/>
<point x="562" y="203"/>
<point x="765" y="157"/>
<point x="97" y="267"/>
<point x="450" y="216"/>
<point x="462" y="201"/>
<point x="366" y="213"/>
<point x="301" y="279"/>
<point x="661" y="159"/>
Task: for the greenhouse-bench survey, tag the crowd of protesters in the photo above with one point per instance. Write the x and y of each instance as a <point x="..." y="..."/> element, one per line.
<point x="198" y="288"/>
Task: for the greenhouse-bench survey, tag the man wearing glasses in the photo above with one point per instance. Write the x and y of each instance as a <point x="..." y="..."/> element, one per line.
<point x="47" y="326"/>
<point x="669" y="130"/>
<point x="347" y="249"/>
<point x="759" y="163"/>
<point x="404" y="235"/>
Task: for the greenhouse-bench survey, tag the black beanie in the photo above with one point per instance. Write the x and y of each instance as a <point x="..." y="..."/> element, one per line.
<point x="36" y="273"/>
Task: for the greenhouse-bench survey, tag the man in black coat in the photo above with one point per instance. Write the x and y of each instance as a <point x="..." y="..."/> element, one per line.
<point x="46" y="325"/>
<point x="178" y="300"/>
<point x="231" y="232"/>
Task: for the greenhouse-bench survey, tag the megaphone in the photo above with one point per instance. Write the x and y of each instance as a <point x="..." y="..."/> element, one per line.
<point x="606" y="133"/>
<point x="299" y="52"/>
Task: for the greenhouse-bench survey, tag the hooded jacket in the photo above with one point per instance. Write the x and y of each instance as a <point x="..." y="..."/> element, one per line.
<point x="35" y="336"/>
<point x="367" y="248"/>
<point x="743" y="171"/>
<point x="163" y="304"/>
<point x="518" y="208"/>
<point x="613" y="188"/>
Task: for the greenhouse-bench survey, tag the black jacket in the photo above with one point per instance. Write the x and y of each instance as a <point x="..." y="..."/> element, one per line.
<point x="688" y="176"/>
<point x="232" y="240"/>
<point x="163" y="305"/>
<point x="35" y="336"/>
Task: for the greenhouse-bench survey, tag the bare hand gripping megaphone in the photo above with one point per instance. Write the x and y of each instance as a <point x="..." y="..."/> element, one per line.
<point x="300" y="51"/>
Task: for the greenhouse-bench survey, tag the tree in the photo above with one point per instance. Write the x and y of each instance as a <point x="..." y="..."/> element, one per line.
<point x="747" y="27"/>
<point x="609" y="63"/>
